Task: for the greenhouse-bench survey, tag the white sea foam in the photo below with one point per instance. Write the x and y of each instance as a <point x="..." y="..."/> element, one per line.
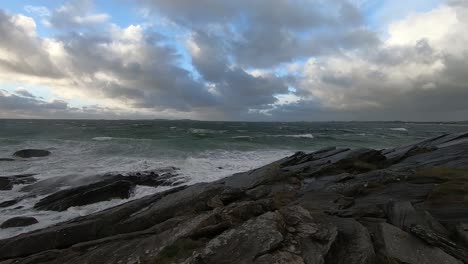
<point x="102" y="138"/>
<point x="74" y="159"/>
<point x="294" y="136"/>
<point x="206" y="131"/>
<point x="47" y="218"/>
<point x="399" y="129"/>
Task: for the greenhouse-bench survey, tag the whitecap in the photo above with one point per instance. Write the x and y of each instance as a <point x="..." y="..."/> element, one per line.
<point x="102" y="138"/>
<point x="203" y="131"/>
<point x="310" y="136"/>
<point x="399" y="129"/>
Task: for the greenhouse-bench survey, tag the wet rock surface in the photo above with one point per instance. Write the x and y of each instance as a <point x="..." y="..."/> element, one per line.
<point x="31" y="153"/>
<point x="7" y="182"/>
<point x="88" y="194"/>
<point x="403" y="205"/>
<point x="19" y="221"/>
<point x="109" y="186"/>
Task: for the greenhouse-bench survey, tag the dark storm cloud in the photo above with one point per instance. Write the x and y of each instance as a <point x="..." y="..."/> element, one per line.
<point x="234" y="86"/>
<point x="263" y="33"/>
<point x="377" y="91"/>
<point x="14" y="106"/>
<point x="27" y="104"/>
<point x="153" y="80"/>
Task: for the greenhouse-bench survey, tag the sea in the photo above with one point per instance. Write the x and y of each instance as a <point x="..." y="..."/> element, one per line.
<point x="203" y="151"/>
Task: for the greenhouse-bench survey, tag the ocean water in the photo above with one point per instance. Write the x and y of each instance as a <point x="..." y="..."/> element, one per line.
<point x="203" y="151"/>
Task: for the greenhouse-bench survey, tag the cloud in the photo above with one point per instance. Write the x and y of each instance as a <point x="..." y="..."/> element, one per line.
<point x="262" y="34"/>
<point x="238" y="60"/>
<point x="24" y="93"/>
<point x="41" y="11"/>
<point x="416" y="74"/>
<point x="76" y="14"/>
<point x="24" y="105"/>
<point x="236" y="88"/>
<point x="127" y="68"/>
<point x="21" y="50"/>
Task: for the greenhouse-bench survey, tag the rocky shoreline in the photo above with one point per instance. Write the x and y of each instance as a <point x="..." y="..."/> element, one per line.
<point x="403" y="205"/>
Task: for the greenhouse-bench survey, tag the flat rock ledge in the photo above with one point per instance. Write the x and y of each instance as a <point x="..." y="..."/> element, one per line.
<point x="346" y="206"/>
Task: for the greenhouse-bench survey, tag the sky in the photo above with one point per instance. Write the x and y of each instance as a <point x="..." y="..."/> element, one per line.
<point x="249" y="60"/>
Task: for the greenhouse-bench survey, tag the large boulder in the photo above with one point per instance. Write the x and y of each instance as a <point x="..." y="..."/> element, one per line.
<point x="19" y="221"/>
<point x="83" y="195"/>
<point x="31" y="153"/>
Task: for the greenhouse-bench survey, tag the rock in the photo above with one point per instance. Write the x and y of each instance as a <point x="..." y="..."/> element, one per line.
<point x="159" y="177"/>
<point x="6" y="159"/>
<point x="396" y="244"/>
<point x="83" y="195"/>
<point x="280" y="257"/>
<point x="7" y="182"/>
<point x="9" y="203"/>
<point x="215" y="202"/>
<point x="435" y="239"/>
<point x="19" y="221"/>
<point x="404" y="216"/>
<point x="353" y="244"/>
<point x="247" y="180"/>
<point x="461" y="234"/>
<point x="332" y="206"/>
<point x="252" y="239"/>
<point x="110" y="222"/>
<point x="30" y="153"/>
<point x="310" y="236"/>
<point x="335" y="161"/>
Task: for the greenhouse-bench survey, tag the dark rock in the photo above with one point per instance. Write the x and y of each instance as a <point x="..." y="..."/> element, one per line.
<point x="7" y="182"/>
<point x="400" y="153"/>
<point x="336" y="161"/>
<point x="83" y="195"/>
<point x="30" y="153"/>
<point x="97" y="226"/>
<point x="437" y="240"/>
<point x="9" y="203"/>
<point x="404" y="216"/>
<point x="398" y="245"/>
<point x="353" y="244"/>
<point x="19" y="221"/>
<point x="160" y="177"/>
<point x="310" y="236"/>
<point x="252" y="239"/>
<point x="461" y="234"/>
<point x="265" y="175"/>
